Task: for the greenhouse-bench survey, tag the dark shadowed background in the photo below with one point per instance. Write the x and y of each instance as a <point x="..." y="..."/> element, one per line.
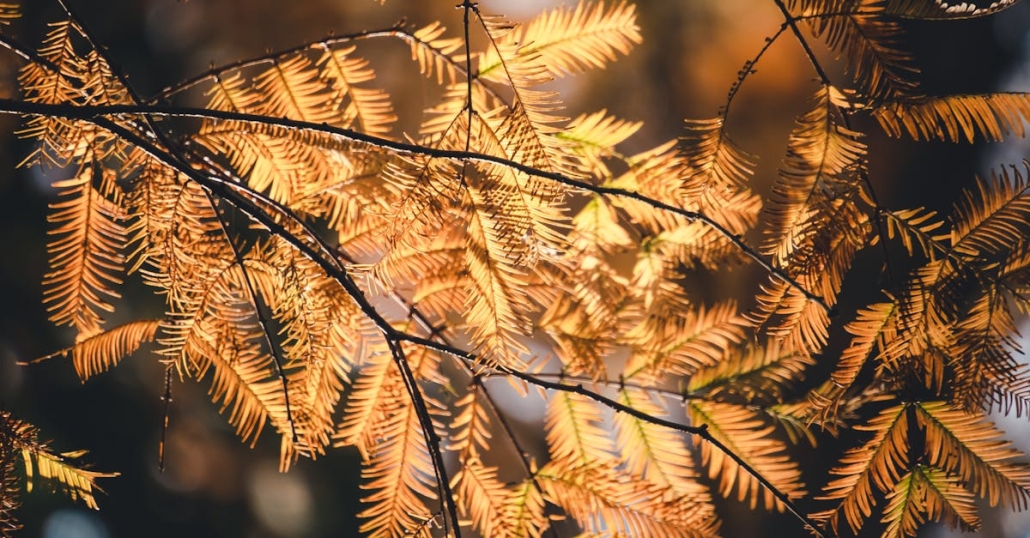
<point x="214" y="485"/>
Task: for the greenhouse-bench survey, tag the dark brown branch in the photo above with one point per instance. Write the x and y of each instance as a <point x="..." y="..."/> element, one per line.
<point x="617" y="383"/>
<point x="443" y="483"/>
<point x="792" y="21"/>
<point x="93" y="113"/>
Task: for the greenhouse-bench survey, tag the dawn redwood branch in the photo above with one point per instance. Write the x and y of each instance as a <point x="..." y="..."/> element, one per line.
<point x="234" y="194"/>
<point x="96" y="113"/>
<point x="240" y="197"/>
<point x="792" y="21"/>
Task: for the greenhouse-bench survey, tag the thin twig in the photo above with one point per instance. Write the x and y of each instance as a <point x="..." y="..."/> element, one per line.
<point x="275" y="350"/>
<point x="166" y="403"/>
<point x="748" y="69"/>
<point x="792" y="22"/>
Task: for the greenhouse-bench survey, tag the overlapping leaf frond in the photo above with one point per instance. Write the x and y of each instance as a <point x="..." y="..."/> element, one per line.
<point x="367" y="394"/>
<point x="874" y="339"/>
<point x="878" y="463"/>
<point x="939" y="9"/>
<point x="715" y="161"/>
<point x="482" y="498"/>
<point x="570" y="40"/>
<point x="968" y="446"/>
<point x="927" y="493"/>
<point x="530" y="127"/>
<point x="399" y="473"/>
<point x="576" y="436"/>
<point x="496" y="308"/>
<point x="330" y="90"/>
<point x="684" y="345"/>
<point x="381" y="420"/>
<point x="986" y="373"/>
<point x="718" y="172"/>
<point x="69" y="72"/>
<point x="20" y="441"/>
<point x="753" y="373"/>
<point x="930" y="459"/>
<point x="583" y="318"/>
<point x="322" y="334"/>
<point x="748" y="434"/>
<point x="369" y="110"/>
<point x="816" y="223"/>
<point x="657" y="454"/>
<point x="592" y="138"/>
<point x="602" y="505"/>
<point x="993" y="218"/>
<point x="819" y="172"/>
<point x="957" y="118"/>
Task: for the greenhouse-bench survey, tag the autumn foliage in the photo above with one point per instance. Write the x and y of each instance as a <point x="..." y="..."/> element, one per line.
<point x="337" y="282"/>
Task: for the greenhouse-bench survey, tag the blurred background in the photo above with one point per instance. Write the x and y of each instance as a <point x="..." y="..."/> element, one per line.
<point x="216" y="487"/>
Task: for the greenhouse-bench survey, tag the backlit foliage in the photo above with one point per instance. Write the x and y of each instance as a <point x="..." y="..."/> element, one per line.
<point x="342" y="283"/>
<point x="20" y="447"/>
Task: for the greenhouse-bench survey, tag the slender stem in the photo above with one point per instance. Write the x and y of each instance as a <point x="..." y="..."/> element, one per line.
<point x="166" y="402"/>
<point x="748" y="69"/>
<point x="618" y="383"/>
<point x="467" y="6"/>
